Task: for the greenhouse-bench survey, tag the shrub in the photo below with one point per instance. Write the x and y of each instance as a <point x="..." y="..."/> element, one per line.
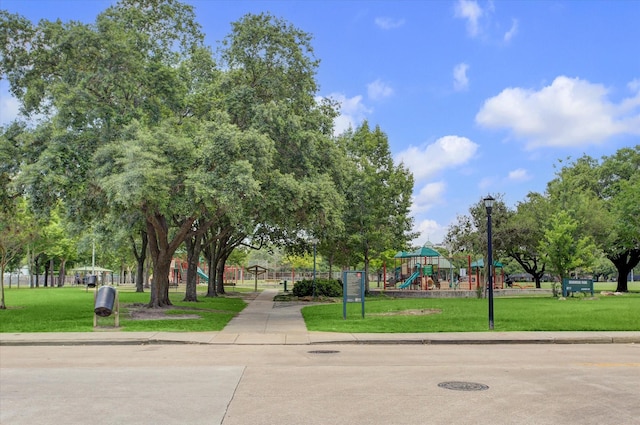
<point x="324" y="288"/>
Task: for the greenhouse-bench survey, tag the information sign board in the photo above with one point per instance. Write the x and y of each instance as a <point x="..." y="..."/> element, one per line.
<point x="576" y="285"/>
<point x="353" y="286"/>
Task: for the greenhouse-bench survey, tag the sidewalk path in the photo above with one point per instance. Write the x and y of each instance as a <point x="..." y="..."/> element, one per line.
<point x="265" y="322"/>
<point x="262" y="322"/>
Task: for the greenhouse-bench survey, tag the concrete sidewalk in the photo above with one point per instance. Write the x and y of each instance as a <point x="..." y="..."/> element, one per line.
<point x="265" y="322"/>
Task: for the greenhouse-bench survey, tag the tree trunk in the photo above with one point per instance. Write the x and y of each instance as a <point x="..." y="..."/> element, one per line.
<point x="62" y="273"/>
<point x="194" y="247"/>
<point x="141" y="257"/>
<point x="624" y="263"/>
<point x="366" y="268"/>
<point x="160" y="282"/>
<point x="331" y="266"/>
<point x="36" y="265"/>
<point x="220" y="273"/>
<point x="2" y="304"/>
<point x="219" y="260"/>
<point x="530" y="266"/>
<point x="211" y="285"/>
<point x="162" y="250"/>
<point x="47" y="265"/>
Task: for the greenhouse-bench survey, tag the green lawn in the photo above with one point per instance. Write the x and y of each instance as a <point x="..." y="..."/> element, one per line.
<point x="610" y="313"/>
<point x="71" y="310"/>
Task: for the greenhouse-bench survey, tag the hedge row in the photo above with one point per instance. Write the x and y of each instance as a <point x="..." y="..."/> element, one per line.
<point x="324" y="288"/>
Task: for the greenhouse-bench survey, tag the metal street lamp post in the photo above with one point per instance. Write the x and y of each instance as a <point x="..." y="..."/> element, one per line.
<point x="488" y="203"/>
<point x="315" y="242"/>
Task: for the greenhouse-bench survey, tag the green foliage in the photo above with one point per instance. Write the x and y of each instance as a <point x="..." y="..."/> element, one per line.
<point x="140" y="121"/>
<point x="469" y="233"/>
<point x="602" y="196"/>
<point x="520" y="236"/>
<point x="16" y="232"/>
<point x="378" y="194"/>
<point x="563" y="248"/>
<point x="324" y="288"/>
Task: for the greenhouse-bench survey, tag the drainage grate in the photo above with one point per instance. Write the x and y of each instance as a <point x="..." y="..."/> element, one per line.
<point x="323" y="352"/>
<point x="463" y="386"/>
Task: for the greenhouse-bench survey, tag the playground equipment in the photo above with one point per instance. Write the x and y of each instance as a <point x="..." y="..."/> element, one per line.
<point x="427" y="262"/>
<point x="410" y="280"/>
<point x="203" y="275"/>
<point x="423" y="268"/>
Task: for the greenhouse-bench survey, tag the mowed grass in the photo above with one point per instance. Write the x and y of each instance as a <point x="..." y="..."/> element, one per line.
<point x="71" y="310"/>
<point x="601" y="313"/>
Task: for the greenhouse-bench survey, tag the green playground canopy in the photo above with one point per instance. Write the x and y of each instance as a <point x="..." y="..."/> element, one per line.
<point x="402" y="254"/>
<point x="429" y="257"/>
<point x="480" y="263"/>
<point x="424" y="251"/>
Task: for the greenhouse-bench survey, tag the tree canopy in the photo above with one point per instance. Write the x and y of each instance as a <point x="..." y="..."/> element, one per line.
<point x="137" y="118"/>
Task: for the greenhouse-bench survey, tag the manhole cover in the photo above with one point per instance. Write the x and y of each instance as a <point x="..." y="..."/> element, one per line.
<point x="463" y="386"/>
<point x="324" y="352"/>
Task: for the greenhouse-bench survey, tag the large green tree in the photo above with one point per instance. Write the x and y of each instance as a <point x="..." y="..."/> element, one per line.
<point x="174" y="179"/>
<point x="378" y="194"/>
<point x="564" y="249"/>
<point x="270" y="87"/>
<point x="620" y="174"/>
<point x="469" y="233"/>
<point x="16" y="231"/>
<point x="139" y="118"/>
<point x="597" y="195"/>
<point x="91" y="81"/>
<point x="520" y="236"/>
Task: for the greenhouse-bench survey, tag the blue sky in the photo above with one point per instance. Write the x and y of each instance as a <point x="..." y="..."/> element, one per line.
<point x="476" y="97"/>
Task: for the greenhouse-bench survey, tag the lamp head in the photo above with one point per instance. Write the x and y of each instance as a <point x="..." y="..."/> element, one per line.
<point x="488" y="203"/>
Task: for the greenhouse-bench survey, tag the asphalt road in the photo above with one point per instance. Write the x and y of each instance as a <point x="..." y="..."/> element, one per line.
<point x="320" y="384"/>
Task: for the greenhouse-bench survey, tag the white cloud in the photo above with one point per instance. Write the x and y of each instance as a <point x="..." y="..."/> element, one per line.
<point x="446" y="152"/>
<point x="519" y="174"/>
<point x="460" y="79"/>
<point x="512" y="31"/>
<point x="634" y="85"/>
<point x="429" y="196"/>
<point x="569" y="112"/>
<point x="352" y="112"/>
<point x="472" y="12"/>
<point x="389" y="23"/>
<point x="429" y="230"/>
<point x="379" y="90"/>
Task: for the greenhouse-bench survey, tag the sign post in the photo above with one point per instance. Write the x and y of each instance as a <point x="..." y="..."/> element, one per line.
<point x="352" y="290"/>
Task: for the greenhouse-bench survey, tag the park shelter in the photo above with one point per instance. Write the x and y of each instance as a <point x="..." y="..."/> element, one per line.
<point x="90" y="269"/>
<point x="100" y="272"/>
<point x="257" y="271"/>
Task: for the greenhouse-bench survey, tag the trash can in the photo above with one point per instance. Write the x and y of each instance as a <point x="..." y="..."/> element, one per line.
<point x="91" y="280"/>
<point x="105" y="299"/>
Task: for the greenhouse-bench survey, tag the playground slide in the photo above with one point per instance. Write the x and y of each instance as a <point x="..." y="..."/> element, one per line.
<point x="202" y="275"/>
<point x="410" y="280"/>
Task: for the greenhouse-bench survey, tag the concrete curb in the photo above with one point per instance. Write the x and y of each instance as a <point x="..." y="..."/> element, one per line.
<point x="316" y="339"/>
